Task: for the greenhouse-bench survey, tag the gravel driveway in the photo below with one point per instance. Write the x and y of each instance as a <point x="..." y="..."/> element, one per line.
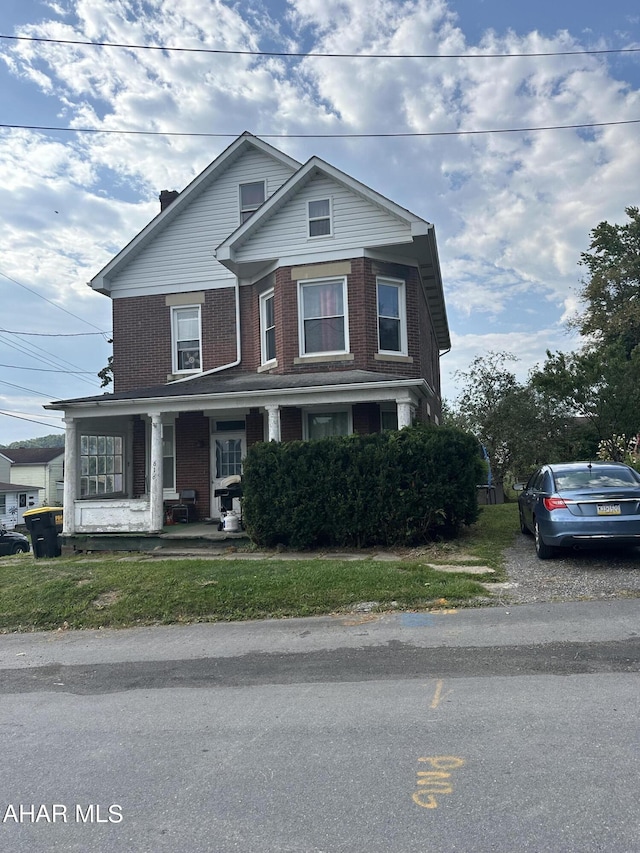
<point x="574" y="576"/>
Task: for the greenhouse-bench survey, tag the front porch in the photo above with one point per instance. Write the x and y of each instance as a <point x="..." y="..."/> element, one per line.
<point x="202" y="538"/>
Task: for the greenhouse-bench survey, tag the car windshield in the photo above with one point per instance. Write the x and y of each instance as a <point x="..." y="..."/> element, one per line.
<point x="595" y="478"/>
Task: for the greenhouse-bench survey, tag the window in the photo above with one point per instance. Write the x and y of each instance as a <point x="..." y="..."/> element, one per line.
<point x="168" y="457"/>
<point x="392" y="328"/>
<point x="186" y="339"/>
<point x="3" y="504"/>
<point x="325" y="424"/>
<point x="319" y="213"/>
<point x="389" y="419"/>
<point x="228" y="457"/>
<point x="251" y="197"/>
<point x="101" y="465"/>
<point x="267" y="328"/>
<point x="323" y="317"/>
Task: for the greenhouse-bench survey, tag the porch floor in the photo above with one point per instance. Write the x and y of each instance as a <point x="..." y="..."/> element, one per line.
<point x="175" y="538"/>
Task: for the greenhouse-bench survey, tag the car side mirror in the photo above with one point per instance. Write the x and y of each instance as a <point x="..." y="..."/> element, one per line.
<point x="519" y="487"/>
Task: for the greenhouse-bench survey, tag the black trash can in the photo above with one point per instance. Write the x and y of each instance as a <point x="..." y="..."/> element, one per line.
<point x="44" y="525"/>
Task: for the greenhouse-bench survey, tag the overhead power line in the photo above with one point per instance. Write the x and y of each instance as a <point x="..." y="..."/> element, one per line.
<point x="394" y="135"/>
<point x="55" y="305"/>
<point x="49" y="370"/>
<point x="317" y="55"/>
<point x="54" y="334"/>
<point x="31" y="421"/>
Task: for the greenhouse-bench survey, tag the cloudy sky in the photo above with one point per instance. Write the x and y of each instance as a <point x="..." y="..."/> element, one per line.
<point x="512" y="210"/>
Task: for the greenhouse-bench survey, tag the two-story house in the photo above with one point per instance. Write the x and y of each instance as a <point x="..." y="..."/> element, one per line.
<point x="269" y="300"/>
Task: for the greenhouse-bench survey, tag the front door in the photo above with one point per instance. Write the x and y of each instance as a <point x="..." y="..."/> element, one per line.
<point x="228" y="450"/>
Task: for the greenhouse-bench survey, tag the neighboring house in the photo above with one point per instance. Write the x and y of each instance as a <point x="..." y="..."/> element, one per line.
<point x="268" y="300"/>
<point x="41" y="468"/>
<point x="14" y="499"/>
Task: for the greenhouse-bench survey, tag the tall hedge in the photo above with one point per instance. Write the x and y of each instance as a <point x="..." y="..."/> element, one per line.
<point x="392" y="488"/>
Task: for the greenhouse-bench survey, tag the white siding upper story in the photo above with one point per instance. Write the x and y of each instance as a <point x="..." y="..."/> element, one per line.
<point x="5" y="469"/>
<point x="42" y="477"/>
<point x="181" y="257"/>
<point x="356" y="222"/>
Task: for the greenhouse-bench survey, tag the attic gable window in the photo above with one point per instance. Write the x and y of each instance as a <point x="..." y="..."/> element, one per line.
<point x="319" y="215"/>
<point x="252" y="195"/>
<point x="186" y="336"/>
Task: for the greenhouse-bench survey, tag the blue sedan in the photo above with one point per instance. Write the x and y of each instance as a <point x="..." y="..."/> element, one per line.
<point x="581" y="503"/>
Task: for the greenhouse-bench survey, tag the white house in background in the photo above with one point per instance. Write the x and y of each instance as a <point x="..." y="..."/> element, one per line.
<point x="39" y="468"/>
<point x="14" y="499"/>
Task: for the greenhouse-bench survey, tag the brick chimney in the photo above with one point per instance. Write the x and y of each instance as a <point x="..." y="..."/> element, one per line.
<point x="166" y="197"/>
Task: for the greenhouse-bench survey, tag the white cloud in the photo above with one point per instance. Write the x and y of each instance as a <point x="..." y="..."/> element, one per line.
<point x="512" y="211"/>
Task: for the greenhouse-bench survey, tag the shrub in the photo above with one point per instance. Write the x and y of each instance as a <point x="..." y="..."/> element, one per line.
<point x="393" y="488"/>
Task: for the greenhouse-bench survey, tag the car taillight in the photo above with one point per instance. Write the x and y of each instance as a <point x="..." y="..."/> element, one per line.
<point x="554" y="503"/>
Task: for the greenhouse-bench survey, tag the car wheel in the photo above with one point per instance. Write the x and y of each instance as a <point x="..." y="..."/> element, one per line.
<point x="18" y="548"/>
<point x="543" y="550"/>
<point x="523" y="527"/>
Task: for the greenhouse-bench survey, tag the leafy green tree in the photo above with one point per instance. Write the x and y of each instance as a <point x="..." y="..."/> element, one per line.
<point x="611" y="293"/>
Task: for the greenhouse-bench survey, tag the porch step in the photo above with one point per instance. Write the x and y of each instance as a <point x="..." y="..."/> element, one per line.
<point x="213" y="541"/>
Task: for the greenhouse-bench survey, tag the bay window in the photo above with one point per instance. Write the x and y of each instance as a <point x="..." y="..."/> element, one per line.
<point x="323" y="317"/>
<point x="392" y="324"/>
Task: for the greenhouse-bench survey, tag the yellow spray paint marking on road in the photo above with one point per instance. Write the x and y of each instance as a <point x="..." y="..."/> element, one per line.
<point x="435" y="781"/>
<point x="438" y="696"/>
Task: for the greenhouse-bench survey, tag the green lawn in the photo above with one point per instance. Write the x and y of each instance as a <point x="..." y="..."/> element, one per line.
<point x="89" y="591"/>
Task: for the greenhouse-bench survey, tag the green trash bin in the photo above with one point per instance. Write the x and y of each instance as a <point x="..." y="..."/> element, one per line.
<point x="44" y="525"/>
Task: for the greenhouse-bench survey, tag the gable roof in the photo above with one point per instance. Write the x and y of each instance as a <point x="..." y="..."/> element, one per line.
<point x="32" y="455"/>
<point x="243" y="143"/>
<point x="422" y="233"/>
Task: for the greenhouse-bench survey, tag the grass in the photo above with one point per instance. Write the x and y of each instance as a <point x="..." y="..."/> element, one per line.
<point x="91" y="591"/>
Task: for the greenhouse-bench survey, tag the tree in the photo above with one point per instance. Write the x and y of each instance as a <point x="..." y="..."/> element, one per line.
<point x="601" y="382"/>
<point x="508" y="418"/>
<point x="611" y="294"/>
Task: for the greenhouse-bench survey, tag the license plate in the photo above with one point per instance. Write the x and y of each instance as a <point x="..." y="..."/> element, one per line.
<point x="608" y="509"/>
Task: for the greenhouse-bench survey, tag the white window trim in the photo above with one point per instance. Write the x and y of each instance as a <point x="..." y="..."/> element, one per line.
<point x="327" y="410"/>
<point x="268" y="294"/>
<point x="174" y="338"/>
<point x="402" y="307"/>
<point x="345" y="302"/>
<point x="250" y="210"/>
<point x="169" y="494"/>
<point x="311" y="219"/>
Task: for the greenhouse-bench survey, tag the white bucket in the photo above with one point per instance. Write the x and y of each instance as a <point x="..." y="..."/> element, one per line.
<point x="231" y="523"/>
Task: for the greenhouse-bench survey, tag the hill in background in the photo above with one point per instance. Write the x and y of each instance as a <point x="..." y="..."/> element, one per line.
<point x="54" y="440"/>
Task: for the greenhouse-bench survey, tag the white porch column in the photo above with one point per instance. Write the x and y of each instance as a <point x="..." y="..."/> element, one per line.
<point x="70" y="477"/>
<point x="405" y="412"/>
<point x="274" y="421"/>
<point x="155" y="480"/>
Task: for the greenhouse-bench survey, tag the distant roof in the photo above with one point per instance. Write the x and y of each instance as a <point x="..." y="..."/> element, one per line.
<point x="16" y="487"/>
<point x="32" y="455"/>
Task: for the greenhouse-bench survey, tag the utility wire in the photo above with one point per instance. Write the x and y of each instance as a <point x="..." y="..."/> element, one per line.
<point x="57" y="362"/>
<point x="22" y="388"/>
<point x="49" y="370"/>
<point x="394" y="135"/>
<point x="54" y="334"/>
<point x="29" y="420"/>
<point x="304" y="55"/>
<point x="59" y="307"/>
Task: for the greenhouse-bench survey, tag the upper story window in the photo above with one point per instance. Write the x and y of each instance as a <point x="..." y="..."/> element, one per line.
<point x="186" y="337"/>
<point x="319" y="215"/>
<point x="267" y="327"/>
<point x="252" y="195"/>
<point x="324" y="324"/>
<point x="392" y="316"/>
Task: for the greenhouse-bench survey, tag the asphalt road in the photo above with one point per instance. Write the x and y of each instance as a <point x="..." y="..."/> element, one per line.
<point x="492" y="729"/>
